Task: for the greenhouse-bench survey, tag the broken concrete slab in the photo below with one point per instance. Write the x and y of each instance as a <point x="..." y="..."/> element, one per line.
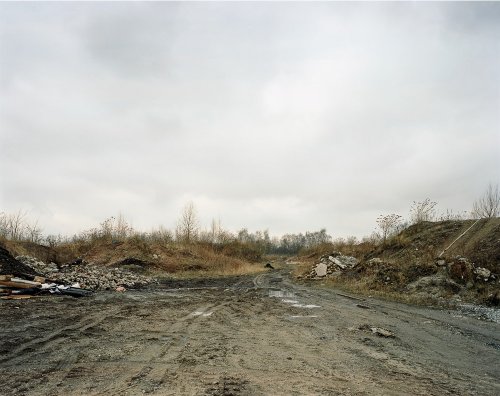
<point x="321" y="269"/>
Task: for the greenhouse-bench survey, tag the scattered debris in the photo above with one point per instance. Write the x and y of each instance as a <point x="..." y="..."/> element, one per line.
<point x="89" y="276"/>
<point x="332" y="263"/>
<point x="382" y="332"/>
<point x="17" y="288"/>
<point x="379" y="331"/>
<point x="25" y="276"/>
<point x="482" y="273"/>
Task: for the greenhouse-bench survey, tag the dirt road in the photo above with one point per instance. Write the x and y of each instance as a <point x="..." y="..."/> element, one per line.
<point x="258" y="335"/>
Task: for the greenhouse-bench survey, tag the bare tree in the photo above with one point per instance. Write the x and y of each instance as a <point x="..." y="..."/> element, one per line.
<point x="488" y="205"/>
<point x="4" y="231"/>
<point x="187" y="226"/>
<point x="33" y="232"/>
<point x="16" y="225"/>
<point x="388" y="224"/>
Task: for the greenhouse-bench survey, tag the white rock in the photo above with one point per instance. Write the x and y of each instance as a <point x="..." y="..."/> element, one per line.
<point x="321" y="269"/>
<point x="482" y="272"/>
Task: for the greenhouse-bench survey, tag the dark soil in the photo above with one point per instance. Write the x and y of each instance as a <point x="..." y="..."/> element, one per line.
<point x="10" y="266"/>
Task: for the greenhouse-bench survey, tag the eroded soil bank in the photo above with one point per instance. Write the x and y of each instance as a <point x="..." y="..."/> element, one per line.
<point x="258" y="335"/>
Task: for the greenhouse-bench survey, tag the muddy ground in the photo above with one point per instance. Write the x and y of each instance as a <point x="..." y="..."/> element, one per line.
<point x="261" y="335"/>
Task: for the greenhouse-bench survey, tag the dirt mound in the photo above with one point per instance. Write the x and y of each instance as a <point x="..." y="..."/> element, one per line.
<point x="431" y="261"/>
<point x="10" y="266"/>
<point x="426" y="241"/>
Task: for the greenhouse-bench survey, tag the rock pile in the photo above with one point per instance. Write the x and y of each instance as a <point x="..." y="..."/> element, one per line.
<point x="461" y="269"/>
<point x="89" y="276"/>
<point x="39" y="266"/>
<point x="332" y="263"/>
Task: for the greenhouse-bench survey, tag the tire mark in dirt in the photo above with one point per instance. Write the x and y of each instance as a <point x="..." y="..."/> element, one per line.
<point x="161" y="364"/>
<point x="16" y="356"/>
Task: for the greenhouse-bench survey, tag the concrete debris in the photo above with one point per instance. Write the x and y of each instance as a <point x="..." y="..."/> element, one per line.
<point x="379" y="331"/>
<point x="77" y="278"/>
<point x="482" y="273"/>
<point x="461" y="269"/>
<point x="38" y="266"/>
<point x="332" y="263"/>
<point x="89" y="276"/>
<point x="321" y="269"/>
<point x="382" y="332"/>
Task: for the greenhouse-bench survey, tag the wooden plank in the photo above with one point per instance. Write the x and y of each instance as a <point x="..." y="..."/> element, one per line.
<point x="21" y="280"/>
<point x="17" y="297"/>
<point x="18" y="285"/>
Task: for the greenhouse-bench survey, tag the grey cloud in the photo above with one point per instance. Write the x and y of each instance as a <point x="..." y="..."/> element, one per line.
<point x="288" y="116"/>
<point x="133" y="41"/>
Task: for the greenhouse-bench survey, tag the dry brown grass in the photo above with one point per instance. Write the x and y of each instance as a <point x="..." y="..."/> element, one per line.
<point x="203" y="260"/>
<point x="364" y="288"/>
<point x="154" y="257"/>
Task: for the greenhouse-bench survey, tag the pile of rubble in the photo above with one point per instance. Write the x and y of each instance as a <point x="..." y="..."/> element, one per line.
<point x="89" y="276"/>
<point x="461" y="269"/>
<point x="332" y="263"/>
<point x="18" y="280"/>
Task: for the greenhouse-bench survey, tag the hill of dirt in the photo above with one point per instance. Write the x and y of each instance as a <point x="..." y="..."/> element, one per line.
<point x="427" y="263"/>
<point x="143" y="256"/>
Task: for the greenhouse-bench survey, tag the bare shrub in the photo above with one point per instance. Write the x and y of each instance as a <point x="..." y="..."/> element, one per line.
<point x="488" y="205"/>
<point x="388" y="225"/>
<point x="161" y="235"/>
<point x="54" y="240"/>
<point x="422" y="211"/>
<point x="451" y="215"/>
<point x="116" y="228"/>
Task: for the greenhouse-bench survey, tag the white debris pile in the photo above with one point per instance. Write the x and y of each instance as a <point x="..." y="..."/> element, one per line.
<point x="39" y="266"/>
<point x="332" y="263"/>
<point x="89" y="276"/>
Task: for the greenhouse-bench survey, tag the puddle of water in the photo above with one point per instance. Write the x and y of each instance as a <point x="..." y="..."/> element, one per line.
<point x="290" y="301"/>
<point x="305" y="306"/>
<point x="280" y="293"/>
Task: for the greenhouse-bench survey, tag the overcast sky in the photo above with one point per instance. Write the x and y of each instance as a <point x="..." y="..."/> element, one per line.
<point x="280" y="116"/>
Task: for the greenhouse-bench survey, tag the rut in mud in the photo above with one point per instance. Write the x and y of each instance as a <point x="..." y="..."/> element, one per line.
<point x="242" y="336"/>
